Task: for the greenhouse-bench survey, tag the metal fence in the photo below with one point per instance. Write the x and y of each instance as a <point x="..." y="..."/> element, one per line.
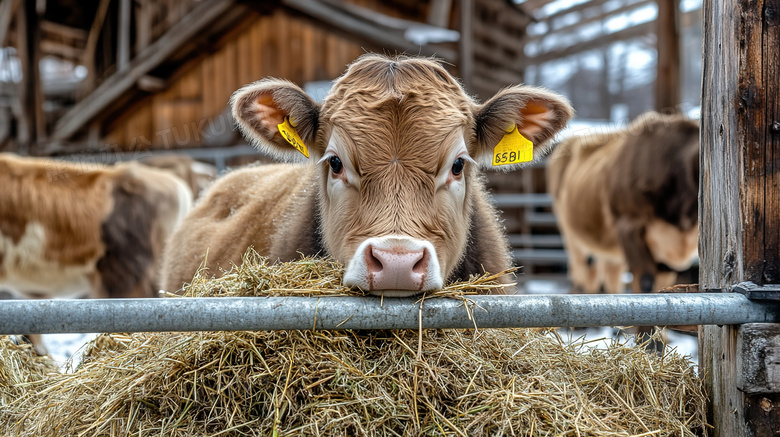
<point x="274" y="313"/>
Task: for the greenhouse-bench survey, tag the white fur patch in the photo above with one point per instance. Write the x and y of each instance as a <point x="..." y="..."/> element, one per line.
<point x="676" y="248"/>
<point x="27" y="271"/>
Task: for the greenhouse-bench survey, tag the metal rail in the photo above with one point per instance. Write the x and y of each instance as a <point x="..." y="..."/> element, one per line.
<point x="280" y="313"/>
<point x="219" y="155"/>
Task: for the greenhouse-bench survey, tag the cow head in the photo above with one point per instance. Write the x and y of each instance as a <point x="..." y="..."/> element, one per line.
<point x="399" y="145"/>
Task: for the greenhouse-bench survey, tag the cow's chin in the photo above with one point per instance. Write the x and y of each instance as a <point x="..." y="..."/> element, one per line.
<point x="394" y="266"/>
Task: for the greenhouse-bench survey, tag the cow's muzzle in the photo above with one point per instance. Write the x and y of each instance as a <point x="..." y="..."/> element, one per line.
<point x="394" y="266"/>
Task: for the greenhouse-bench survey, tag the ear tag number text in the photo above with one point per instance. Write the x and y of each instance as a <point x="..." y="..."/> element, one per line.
<point x="289" y="133"/>
<point x="514" y="148"/>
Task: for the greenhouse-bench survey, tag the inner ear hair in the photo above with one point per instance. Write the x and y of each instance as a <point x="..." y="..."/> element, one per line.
<point x="260" y="106"/>
<point x="302" y="111"/>
<point x="255" y="111"/>
<point x="539" y="114"/>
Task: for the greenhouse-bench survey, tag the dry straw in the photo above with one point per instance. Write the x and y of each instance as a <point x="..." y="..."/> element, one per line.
<point x="341" y="383"/>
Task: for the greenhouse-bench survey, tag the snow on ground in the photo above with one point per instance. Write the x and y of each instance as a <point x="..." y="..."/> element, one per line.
<point x="64" y="347"/>
<point x="684" y="344"/>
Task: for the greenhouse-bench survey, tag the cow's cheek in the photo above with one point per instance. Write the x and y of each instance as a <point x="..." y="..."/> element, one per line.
<point x="341" y="208"/>
<point x="452" y="215"/>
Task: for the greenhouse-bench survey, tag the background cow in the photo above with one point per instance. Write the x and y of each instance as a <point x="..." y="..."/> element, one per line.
<point x="391" y="188"/>
<point x="198" y="175"/>
<point x="70" y="230"/>
<point x="627" y="200"/>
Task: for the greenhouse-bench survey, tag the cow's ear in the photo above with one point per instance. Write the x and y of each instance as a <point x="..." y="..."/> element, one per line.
<point x="261" y="107"/>
<point x="538" y="115"/>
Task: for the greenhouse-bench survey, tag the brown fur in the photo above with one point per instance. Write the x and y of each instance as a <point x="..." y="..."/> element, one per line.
<point x="395" y="123"/>
<point x="70" y="230"/>
<point x="629" y="199"/>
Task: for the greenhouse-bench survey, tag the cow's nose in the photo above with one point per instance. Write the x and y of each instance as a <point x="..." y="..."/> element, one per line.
<point x="396" y="268"/>
<point x="394" y="265"/>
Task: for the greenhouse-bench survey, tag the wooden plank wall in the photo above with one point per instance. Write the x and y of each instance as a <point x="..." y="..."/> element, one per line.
<point x="278" y="45"/>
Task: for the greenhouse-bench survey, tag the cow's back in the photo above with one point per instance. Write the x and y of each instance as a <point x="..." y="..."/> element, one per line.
<point x="656" y="184"/>
<point x="267" y="207"/>
<point x="581" y="168"/>
<point x="556" y="167"/>
<point x="656" y="174"/>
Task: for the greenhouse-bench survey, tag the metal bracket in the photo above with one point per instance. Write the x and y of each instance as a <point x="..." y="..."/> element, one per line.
<point x="758" y="292"/>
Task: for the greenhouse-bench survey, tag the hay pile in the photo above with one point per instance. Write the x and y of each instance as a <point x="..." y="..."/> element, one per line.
<point x="438" y="382"/>
<point x="21" y="372"/>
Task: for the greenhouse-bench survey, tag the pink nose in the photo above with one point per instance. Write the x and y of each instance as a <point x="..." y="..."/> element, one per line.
<point x="396" y="268"/>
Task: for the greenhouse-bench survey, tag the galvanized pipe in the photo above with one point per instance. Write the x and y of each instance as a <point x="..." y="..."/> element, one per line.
<point x="269" y="313"/>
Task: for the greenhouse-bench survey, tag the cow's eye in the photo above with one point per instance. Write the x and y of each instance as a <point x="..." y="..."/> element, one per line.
<point x="457" y="166"/>
<point x="335" y="164"/>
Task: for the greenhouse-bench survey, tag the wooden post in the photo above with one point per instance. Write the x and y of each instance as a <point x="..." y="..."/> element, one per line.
<point x="7" y="11"/>
<point x="439" y="13"/>
<point x="667" y="83"/>
<point x="143" y="25"/>
<point x="91" y="46"/>
<point x="123" y="37"/>
<point x="466" y="55"/>
<point x="740" y="205"/>
<point x="33" y="123"/>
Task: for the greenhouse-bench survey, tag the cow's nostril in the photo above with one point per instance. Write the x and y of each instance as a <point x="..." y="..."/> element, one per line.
<point x="421" y="266"/>
<point x="373" y="264"/>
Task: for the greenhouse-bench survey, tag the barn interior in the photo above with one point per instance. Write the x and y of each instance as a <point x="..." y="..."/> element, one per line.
<point x="104" y="81"/>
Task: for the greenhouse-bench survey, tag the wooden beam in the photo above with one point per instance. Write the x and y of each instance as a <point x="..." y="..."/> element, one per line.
<point x="61" y="50"/>
<point x="559" y="31"/>
<point x="466" y="61"/>
<point x="532" y="5"/>
<point x="668" y="83"/>
<point x="7" y="11"/>
<point x="182" y="33"/>
<point x="740" y="194"/>
<point x="600" y="41"/>
<point x="576" y="8"/>
<point x="91" y="46"/>
<point x="66" y="32"/>
<point x="151" y="84"/>
<point x="380" y="36"/>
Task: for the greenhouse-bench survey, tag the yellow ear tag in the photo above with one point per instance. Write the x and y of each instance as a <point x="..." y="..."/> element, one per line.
<point x="288" y="132"/>
<point x="514" y="148"/>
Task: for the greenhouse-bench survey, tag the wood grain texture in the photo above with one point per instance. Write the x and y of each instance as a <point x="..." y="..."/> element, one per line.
<point x="758" y="358"/>
<point x="278" y="45"/>
<point x="740" y="197"/>
<point x="667" y="83"/>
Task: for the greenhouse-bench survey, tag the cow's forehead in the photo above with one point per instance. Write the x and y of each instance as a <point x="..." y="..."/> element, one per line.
<point x="410" y="110"/>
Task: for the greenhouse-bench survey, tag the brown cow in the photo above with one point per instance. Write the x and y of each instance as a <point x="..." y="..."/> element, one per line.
<point x="392" y="187"/>
<point x="628" y="199"/>
<point x="70" y="230"/>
